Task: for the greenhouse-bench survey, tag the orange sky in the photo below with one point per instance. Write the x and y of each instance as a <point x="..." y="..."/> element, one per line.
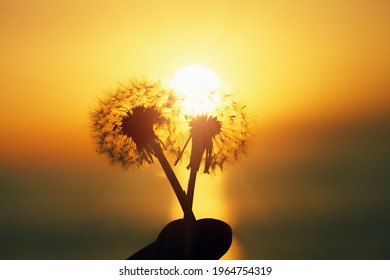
<point x="289" y="61"/>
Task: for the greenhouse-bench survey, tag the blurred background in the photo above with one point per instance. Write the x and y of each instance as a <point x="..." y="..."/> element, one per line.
<point x="315" y="78"/>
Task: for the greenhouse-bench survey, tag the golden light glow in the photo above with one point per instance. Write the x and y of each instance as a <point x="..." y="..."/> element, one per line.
<point x="198" y="87"/>
<point x="209" y="199"/>
<point x="235" y="251"/>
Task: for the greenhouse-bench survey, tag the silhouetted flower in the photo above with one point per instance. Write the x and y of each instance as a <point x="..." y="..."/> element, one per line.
<point x="217" y="138"/>
<point x="130" y="118"/>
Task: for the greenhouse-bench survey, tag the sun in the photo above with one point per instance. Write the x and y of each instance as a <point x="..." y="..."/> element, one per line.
<point x="198" y="87"/>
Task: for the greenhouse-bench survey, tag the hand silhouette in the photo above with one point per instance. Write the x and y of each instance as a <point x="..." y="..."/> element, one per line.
<point x="187" y="239"/>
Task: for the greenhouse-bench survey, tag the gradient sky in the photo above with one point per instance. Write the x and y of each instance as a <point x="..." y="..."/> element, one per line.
<point x="315" y="78"/>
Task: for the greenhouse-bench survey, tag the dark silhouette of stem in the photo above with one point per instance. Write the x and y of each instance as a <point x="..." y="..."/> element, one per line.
<point x="185" y="203"/>
<point x="191" y="186"/>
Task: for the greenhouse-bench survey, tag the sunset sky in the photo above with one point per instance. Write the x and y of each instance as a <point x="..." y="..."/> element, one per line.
<point x="314" y="75"/>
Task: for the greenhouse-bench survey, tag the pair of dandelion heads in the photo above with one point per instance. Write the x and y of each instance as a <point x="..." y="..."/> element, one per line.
<point x="138" y="121"/>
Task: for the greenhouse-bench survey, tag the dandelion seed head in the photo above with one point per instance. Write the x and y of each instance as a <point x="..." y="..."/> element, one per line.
<point x="205" y="127"/>
<point x="218" y="138"/>
<point x="127" y="119"/>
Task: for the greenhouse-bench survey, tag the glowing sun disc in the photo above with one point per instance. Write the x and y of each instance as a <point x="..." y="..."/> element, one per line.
<point x="198" y="86"/>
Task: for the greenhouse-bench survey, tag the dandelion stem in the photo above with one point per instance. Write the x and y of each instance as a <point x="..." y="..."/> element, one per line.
<point x="191" y="186"/>
<point x="180" y="194"/>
